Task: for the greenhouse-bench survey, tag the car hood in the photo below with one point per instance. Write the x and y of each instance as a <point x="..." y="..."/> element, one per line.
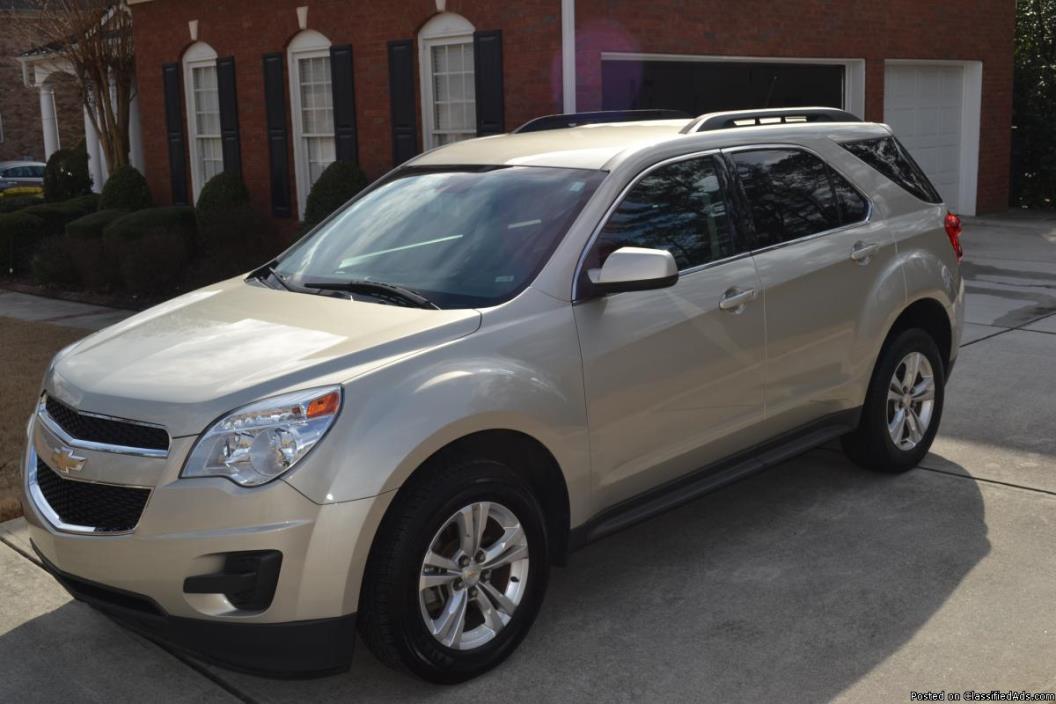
<point x="186" y="362"/>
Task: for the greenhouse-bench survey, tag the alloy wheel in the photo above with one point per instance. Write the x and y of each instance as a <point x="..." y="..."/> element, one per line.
<point x="910" y="401"/>
<point x="474" y="575"/>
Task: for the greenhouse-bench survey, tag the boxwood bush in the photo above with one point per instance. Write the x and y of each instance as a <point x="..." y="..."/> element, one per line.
<point x="151" y="247"/>
<point x="336" y="185"/>
<point x="66" y="174"/>
<point x="233" y="236"/>
<point x="53" y="263"/>
<point x="126" y="189"/>
<point x="84" y="242"/>
<point x="20" y="234"/>
<point x="9" y="204"/>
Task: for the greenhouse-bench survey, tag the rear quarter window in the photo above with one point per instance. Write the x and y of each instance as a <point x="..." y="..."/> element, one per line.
<point x="890" y="158"/>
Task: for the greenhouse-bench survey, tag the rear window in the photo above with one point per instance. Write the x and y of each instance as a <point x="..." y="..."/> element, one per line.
<point x="889" y="157"/>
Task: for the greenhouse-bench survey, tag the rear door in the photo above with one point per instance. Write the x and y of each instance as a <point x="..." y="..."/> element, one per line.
<point x="673" y="381"/>
<point x="819" y="259"/>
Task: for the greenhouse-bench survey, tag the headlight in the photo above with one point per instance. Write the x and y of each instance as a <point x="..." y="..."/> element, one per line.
<point x="257" y="443"/>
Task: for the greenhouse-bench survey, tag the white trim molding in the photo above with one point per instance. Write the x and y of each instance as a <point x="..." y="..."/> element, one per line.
<point x="444" y="29"/>
<point x="853" y="75"/>
<point x="568" y="55"/>
<point x="200" y="56"/>
<point x="308" y="44"/>
<point x="971" y="122"/>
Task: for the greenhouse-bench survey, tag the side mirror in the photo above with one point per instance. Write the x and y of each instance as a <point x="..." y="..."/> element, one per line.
<point x="635" y="269"/>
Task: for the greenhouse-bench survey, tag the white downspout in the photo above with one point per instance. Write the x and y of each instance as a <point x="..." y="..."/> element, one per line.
<point x="568" y="54"/>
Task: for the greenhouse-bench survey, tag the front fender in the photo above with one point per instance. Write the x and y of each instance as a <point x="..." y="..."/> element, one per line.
<point x="525" y="376"/>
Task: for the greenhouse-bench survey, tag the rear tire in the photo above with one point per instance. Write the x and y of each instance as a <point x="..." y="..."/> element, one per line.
<point x="405" y="623"/>
<point x="903" y="406"/>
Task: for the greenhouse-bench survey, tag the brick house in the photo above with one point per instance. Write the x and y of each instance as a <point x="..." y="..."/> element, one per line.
<point x="277" y="90"/>
<point x="22" y="106"/>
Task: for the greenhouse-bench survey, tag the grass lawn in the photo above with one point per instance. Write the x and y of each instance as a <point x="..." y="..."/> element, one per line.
<point x="25" y="350"/>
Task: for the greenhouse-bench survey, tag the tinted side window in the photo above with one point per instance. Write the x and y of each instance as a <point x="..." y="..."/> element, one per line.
<point x="889" y="157"/>
<point x="36" y="171"/>
<point x="853" y="205"/>
<point x="680" y="208"/>
<point x="789" y="194"/>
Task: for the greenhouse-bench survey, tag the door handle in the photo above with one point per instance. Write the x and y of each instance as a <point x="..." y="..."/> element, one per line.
<point x="863" y="252"/>
<point x="734" y="300"/>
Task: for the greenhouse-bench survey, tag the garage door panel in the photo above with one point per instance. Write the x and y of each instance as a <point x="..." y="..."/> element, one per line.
<point x="923" y="105"/>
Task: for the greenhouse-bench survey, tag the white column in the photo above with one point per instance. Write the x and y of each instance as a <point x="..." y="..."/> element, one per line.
<point x="135" y="133"/>
<point x="568" y="54"/>
<point x="96" y="168"/>
<point x="48" y="121"/>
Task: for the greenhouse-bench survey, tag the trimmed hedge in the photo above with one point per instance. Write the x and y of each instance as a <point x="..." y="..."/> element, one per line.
<point x="66" y="174"/>
<point x="53" y="263"/>
<point x="84" y="241"/>
<point x="57" y="215"/>
<point x="10" y="204"/>
<point x="232" y="235"/>
<point x="221" y="192"/>
<point x="126" y="189"/>
<point x="20" y="234"/>
<point x="152" y="247"/>
<point x="335" y="187"/>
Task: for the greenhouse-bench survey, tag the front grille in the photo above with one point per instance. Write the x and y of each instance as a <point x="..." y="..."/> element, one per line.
<point x="104" y="430"/>
<point x="104" y="507"/>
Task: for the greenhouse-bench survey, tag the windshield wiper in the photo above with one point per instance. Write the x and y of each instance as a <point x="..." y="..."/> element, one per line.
<point x="375" y="288"/>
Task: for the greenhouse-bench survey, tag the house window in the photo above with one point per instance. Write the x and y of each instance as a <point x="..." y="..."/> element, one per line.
<point x="203" y="115"/>
<point x="312" y="99"/>
<point x="449" y="106"/>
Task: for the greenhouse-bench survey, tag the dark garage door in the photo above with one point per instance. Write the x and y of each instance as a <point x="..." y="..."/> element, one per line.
<point x="697" y="87"/>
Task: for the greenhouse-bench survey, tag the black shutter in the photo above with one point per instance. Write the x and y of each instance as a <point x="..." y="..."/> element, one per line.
<point x="278" y="147"/>
<point x="342" y="83"/>
<point x="170" y="74"/>
<point x="225" y="83"/>
<point x="487" y="69"/>
<point x="401" y="101"/>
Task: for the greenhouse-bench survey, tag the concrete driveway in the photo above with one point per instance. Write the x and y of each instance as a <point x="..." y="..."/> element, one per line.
<point x="815" y="581"/>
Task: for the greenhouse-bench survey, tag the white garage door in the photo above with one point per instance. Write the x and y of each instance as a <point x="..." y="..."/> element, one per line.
<point x="924" y="105"/>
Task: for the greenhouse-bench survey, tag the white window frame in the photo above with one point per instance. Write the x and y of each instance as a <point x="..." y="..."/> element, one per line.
<point x="308" y="44"/>
<point x="444" y="29"/>
<point x="198" y="55"/>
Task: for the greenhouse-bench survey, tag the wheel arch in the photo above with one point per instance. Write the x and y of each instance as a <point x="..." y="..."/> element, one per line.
<point x="930" y="315"/>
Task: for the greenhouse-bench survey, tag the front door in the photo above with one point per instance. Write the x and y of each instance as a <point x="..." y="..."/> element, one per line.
<point x="673" y="376"/>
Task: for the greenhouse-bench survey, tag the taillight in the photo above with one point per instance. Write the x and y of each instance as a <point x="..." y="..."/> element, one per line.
<point x="953" y="231"/>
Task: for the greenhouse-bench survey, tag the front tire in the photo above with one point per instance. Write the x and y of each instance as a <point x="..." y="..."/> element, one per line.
<point x="903" y="406"/>
<point x="458" y="570"/>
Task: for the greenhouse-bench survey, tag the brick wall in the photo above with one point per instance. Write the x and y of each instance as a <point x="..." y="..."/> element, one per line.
<point x="963" y="30"/>
<point x="938" y="29"/>
<point x="20" y="106"/>
<point x="241" y="28"/>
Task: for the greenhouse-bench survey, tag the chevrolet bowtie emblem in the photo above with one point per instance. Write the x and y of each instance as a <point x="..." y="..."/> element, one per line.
<point x="63" y="460"/>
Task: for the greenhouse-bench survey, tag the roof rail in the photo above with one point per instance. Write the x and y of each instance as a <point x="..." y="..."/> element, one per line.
<point x="574" y="119"/>
<point x="770" y="116"/>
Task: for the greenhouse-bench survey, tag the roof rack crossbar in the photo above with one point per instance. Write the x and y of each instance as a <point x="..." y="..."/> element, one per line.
<point x="575" y="119"/>
<point x="771" y="116"/>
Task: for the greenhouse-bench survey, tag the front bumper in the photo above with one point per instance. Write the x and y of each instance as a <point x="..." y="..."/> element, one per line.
<point x="190" y="528"/>
<point x="295" y="649"/>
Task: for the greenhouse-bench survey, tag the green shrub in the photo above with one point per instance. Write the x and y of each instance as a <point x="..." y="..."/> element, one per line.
<point x="55" y="216"/>
<point x="53" y="263"/>
<point x="20" y="234"/>
<point x="151" y="248"/>
<point x="336" y="185"/>
<point x="11" y="204"/>
<point x="221" y="192"/>
<point x="233" y="241"/>
<point x="66" y="174"/>
<point x="84" y="241"/>
<point x="126" y="189"/>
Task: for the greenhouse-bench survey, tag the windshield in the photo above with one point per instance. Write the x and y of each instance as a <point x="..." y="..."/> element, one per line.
<point x="463" y="237"/>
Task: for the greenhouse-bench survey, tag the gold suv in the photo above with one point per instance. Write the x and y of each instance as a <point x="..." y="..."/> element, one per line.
<point x="502" y="350"/>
